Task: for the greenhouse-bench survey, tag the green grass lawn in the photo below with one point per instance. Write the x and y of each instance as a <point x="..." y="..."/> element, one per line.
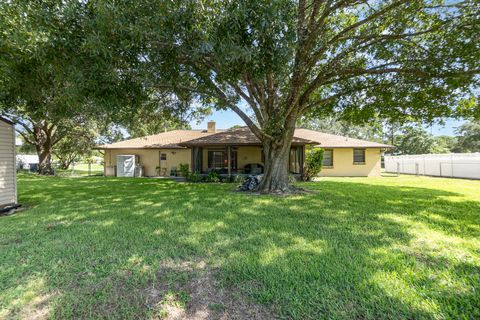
<point x="81" y="169"/>
<point x="356" y="248"/>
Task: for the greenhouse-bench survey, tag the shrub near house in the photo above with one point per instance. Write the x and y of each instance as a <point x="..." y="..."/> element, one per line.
<point x="313" y="163"/>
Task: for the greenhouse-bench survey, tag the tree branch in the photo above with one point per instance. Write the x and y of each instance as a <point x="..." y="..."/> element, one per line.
<point x="371" y="17"/>
<point x="26" y="137"/>
<point x="223" y="97"/>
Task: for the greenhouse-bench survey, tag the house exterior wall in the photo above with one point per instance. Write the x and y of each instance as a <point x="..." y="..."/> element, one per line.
<point x="343" y="165"/>
<point x="8" y="183"/>
<point x="248" y="155"/>
<point x="149" y="159"/>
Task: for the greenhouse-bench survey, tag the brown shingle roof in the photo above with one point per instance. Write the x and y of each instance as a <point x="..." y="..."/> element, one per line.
<point x="169" y="139"/>
<point x="327" y="140"/>
<point x="237" y="136"/>
<point x="241" y="136"/>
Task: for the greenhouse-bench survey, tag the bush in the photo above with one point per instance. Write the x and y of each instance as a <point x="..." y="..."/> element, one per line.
<point x="184" y="170"/>
<point x="194" y="177"/>
<point x="313" y="163"/>
<point x="213" y="176"/>
<point x="239" y="179"/>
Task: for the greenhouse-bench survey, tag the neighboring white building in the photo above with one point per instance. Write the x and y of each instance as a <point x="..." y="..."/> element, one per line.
<point x="8" y="182"/>
<point x="27" y="162"/>
<point x="453" y="165"/>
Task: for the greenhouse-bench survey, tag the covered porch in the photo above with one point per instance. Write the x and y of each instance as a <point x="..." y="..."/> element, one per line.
<point x="240" y="159"/>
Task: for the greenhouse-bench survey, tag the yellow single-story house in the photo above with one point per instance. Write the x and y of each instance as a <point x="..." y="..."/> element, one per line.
<point x="236" y="151"/>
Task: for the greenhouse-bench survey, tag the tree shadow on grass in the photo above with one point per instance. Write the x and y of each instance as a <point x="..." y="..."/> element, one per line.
<point x="343" y="252"/>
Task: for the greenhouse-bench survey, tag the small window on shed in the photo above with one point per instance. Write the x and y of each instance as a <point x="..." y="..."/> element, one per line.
<point x="163" y="156"/>
<point x="359" y="156"/>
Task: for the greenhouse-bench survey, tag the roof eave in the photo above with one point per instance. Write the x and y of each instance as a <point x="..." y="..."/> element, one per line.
<point x="345" y="147"/>
<point x="7" y="121"/>
<point x="203" y="144"/>
<point x="142" y="147"/>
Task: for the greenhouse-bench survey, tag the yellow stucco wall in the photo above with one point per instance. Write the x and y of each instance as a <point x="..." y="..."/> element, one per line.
<point x="343" y="164"/>
<point x="150" y="159"/>
<point x="248" y="155"/>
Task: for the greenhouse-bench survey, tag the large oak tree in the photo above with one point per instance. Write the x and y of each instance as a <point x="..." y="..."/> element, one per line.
<point x="59" y="70"/>
<point x="273" y="62"/>
<point x="46" y="63"/>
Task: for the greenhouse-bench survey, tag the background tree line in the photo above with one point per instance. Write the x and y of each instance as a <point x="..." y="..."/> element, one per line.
<point x="409" y="138"/>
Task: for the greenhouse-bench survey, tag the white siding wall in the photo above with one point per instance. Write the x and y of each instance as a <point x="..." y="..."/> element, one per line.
<point x="455" y="165"/>
<point x="7" y="165"/>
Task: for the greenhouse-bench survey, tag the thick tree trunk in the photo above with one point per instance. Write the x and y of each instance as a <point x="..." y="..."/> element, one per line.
<point x="43" y="140"/>
<point x="275" y="178"/>
<point x="45" y="161"/>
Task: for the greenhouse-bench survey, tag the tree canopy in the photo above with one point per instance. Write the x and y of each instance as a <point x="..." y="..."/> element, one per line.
<point x="285" y="59"/>
<point x="373" y="131"/>
<point x="415" y="140"/>
<point x="469" y="137"/>
<point x="58" y="72"/>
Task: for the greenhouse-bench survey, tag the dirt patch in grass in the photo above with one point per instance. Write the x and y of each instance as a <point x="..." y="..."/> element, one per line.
<point x="189" y="290"/>
<point x="37" y="308"/>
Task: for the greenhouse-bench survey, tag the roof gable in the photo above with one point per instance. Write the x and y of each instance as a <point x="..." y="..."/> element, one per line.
<point x="169" y="139"/>
<point x="240" y="136"/>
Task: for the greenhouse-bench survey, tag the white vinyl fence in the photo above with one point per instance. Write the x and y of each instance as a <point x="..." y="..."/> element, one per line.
<point x="455" y="165"/>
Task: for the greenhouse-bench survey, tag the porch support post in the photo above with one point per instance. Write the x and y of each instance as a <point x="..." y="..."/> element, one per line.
<point x="192" y="159"/>
<point x="196" y="159"/>
<point x="302" y="159"/>
<point x="229" y="159"/>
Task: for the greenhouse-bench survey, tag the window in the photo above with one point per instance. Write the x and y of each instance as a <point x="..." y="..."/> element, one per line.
<point x="359" y="156"/>
<point x="216" y="159"/>
<point x="328" y="158"/>
<point x="163" y="156"/>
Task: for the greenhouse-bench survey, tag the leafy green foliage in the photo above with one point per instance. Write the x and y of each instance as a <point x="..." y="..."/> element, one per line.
<point x="313" y="163"/>
<point x="25" y="147"/>
<point x="184" y="169"/>
<point x="76" y="144"/>
<point x="194" y="176"/>
<point x="373" y="131"/>
<point x="415" y="140"/>
<point x="469" y="137"/>
<point x="213" y="176"/>
<point x="57" y="68"/>
<point x="397" y="59"/>
<point x="445" y="144"/>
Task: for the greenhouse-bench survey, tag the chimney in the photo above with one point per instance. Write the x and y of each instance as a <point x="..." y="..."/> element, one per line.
<point x="211" y="127"/>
